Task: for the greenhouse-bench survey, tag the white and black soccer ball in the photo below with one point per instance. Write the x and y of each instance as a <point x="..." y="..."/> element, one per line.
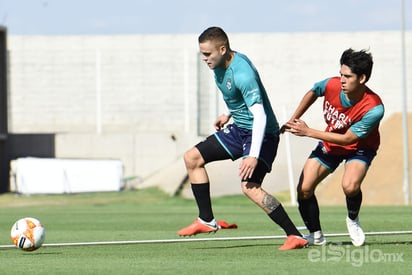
<point x="28" y="234"/>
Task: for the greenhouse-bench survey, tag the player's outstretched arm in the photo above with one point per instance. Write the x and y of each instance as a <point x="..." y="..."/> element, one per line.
<point x="308" y="99"/>
<point x="299" y="127"/>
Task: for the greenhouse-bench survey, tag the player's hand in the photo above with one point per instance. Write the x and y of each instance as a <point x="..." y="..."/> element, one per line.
<point x="221" y="121"/>
<point x="247" y="167"/>
<point x="297" y="127"/>
<point x="283" y="128"/>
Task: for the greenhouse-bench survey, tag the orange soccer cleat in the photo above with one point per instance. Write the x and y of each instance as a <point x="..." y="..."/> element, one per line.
<point x="198" y="226"/>
<point x="294" y="242"/>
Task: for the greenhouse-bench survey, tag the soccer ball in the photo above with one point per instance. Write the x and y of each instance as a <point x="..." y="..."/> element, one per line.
<point x="28" y="234"/>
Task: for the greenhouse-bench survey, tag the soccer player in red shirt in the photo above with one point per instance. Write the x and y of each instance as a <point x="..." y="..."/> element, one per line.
<point x="352" y="113"/>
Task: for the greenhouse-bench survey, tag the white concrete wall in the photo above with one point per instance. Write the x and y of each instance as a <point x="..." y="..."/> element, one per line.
<point x="124" y="97"/>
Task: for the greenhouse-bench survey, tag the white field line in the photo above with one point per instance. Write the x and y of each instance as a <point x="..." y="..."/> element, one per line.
<point x="205" y="239"/>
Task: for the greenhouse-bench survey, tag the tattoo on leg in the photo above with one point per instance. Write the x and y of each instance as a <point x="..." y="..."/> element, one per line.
<point x="270" y="202"/>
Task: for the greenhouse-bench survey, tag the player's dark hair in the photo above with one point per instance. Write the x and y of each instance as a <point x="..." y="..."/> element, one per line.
<point x="215" y="34"/>
<point x="360" y="62"/>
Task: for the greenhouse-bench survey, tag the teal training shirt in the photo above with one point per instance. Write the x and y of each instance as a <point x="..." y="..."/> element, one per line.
<point x="241" y="87"/>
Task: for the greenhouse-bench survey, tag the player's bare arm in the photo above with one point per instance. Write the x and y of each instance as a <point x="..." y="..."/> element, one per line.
<point x="299" y="127"/>
<point x="308" y="99"/>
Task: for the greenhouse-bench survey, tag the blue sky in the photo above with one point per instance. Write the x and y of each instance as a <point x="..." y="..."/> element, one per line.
<point x="75" y="17"/>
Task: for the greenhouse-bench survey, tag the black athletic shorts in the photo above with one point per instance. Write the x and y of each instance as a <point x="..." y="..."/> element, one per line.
<point x="233" y="143"/>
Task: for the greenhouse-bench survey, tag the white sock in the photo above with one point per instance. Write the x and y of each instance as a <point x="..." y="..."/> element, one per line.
<point x="211" y="223"/>
<point x="317" y="234"/>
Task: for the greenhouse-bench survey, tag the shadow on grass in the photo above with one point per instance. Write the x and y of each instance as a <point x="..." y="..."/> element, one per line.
<point x="31" y="254"/>
<point x="346" y="243"/>
<point x="236" y="246"/>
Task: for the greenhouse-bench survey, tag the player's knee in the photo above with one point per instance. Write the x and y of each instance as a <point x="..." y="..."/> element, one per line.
<point x="245" y="189"/>
<point x="351" y="190"/>
<point x="192" y="159"/>
<point x="189" y="158"/>
<point x="250" y="189"/>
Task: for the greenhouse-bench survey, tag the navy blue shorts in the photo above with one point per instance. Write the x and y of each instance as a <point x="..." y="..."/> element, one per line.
<point x="332" y="161"/>
<point x="233" y="143"/>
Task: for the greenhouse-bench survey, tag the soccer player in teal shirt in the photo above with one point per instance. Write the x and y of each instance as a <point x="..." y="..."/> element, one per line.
<point x="253" y="136"/>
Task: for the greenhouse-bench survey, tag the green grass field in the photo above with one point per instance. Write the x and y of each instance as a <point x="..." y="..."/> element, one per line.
<point x="152" y="215"/>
